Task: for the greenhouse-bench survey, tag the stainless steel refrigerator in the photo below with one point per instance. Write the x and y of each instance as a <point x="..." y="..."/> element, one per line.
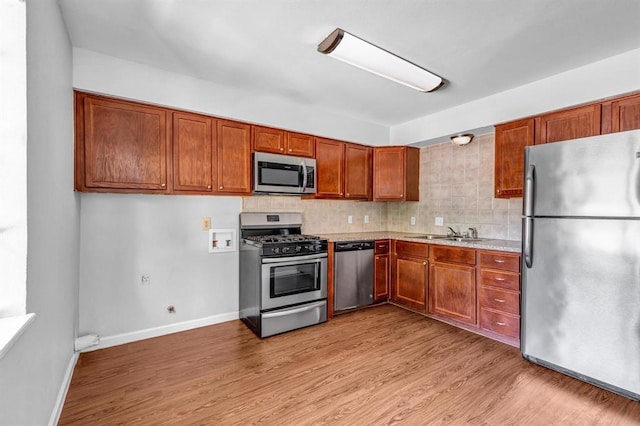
<point x="581" y="260"/>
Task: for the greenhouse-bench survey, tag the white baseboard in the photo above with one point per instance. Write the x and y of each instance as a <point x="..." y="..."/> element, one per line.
<point x="120" y="339"/>
<point x="62" y="393"/>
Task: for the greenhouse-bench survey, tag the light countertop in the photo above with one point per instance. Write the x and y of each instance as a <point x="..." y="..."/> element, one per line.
<point x="488" y="244"/>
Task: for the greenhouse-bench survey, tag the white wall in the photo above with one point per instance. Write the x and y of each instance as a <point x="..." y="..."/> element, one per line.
<point x="126" y="235"/>
<point x="616" y="75"/>
<point x="100" y="73"/>
<point x="33" y="370"/>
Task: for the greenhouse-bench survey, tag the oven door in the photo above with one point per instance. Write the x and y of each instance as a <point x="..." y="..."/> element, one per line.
<point x="293" y="280"/>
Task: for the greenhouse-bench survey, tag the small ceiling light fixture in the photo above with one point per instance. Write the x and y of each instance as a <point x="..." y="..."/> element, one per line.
<point x="461" y="139"/>
<point x="362" y="54"/>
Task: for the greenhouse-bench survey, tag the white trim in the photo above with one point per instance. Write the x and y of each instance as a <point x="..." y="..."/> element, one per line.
<point x="121" y="339"/>
<point x="11" y="328"/>
<point x="64" y="388"/>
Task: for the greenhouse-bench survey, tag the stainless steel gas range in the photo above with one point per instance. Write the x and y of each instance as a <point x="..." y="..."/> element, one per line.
<point x="283" y="274"/>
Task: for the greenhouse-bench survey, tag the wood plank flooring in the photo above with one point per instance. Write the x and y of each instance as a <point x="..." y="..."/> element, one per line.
<point x="382" y="365"/>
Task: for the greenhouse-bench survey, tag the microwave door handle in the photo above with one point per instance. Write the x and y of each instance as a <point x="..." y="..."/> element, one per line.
<point x="304" y="177"/>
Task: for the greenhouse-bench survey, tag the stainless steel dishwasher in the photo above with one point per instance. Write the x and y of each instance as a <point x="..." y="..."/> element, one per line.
<point x="353" y="274"/>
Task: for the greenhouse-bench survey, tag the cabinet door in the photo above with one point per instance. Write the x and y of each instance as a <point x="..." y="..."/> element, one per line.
<point x="123" y="145"/>
<point x="266" y="139"/>
<point x="569" y="124"/>
<point x="452" y="291"/>
<point x="410" y="282"/>
<point x="625" y="114"/>
<point x="329" y="161"/>
<point x="511" y="139"/>
<point x="388" y="173"/>
<point x="233" y="157"/>
<point x="381" y="277"/>
<point x="193" y="156"/>
<point x="300" y="144"/>
<point x="357" y="172"/>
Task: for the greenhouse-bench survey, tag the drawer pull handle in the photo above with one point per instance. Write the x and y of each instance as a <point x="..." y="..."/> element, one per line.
<point x="499" y="300"/>
<point x="499" y="279"/>
<point x="499" y="260"/>
<point x="500" y="323"/>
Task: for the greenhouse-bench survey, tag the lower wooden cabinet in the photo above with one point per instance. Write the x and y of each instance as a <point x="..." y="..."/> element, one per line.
<point x="498" y="283"/>
<point x="410" y="275"/>
<point x="452" y="291"/>
<point x="381" y="271"/>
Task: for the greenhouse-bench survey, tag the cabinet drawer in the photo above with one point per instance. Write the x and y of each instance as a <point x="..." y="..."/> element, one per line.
<point x="506" y="280"/>
<point x="498" y="260"/>
<point x="499" y="300"/>
<point x="412" y="249"/>
<point x="501" y="323"/>
<point x="382" y="247"/>
<point x="452" y="254"/>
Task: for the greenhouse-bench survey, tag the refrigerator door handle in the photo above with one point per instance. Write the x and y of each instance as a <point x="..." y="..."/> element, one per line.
<point x="529" y="186"/>
<point x="527" y="240"/>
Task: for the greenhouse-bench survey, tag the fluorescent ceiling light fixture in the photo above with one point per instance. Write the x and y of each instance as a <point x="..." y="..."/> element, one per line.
<point x="461" y="139"/>
<point x="362" y="54"/>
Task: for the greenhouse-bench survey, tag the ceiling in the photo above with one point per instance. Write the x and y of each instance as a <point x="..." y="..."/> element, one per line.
<point x="481" y="47"/>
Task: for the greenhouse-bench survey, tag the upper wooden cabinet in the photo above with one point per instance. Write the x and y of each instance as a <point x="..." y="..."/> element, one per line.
<point x="194" y="154"/>
<point x="120" y="146"/>
<point x="396" y="173"/>
<point x="124" y="146"/>
<point x="621" y="114"/>
<point x="344" y="170"/>
<point x="266" y="139"/>
<point x="357" y="172"/>
<point x="569" y="124"/>
<point x="511" y="139"/>
<point x="233" y="149"/>
<point x="329" y="166"/>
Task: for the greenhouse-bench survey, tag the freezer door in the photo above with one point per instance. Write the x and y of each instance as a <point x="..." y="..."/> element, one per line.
<point x="589" y="177"/>
<point x="581" y="300"/>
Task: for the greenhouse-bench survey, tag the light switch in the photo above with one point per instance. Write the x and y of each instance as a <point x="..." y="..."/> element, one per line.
<point x="439" y="221"/>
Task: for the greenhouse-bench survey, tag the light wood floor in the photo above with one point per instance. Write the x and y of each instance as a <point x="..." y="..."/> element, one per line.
<point x="381" y="365"/>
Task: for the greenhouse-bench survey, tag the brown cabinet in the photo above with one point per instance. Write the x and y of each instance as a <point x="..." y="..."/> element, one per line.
<point x="381" y="271"/>
<point x="410" y="275"/>
<point x="452" y="283"/>
<point x="396" y="173"/>
<point x="511" y="139"/>
<point x="568" y="124"/>
<point x="499" y="294"/>
<point x="193" y="153"/>
<point x="344" y="170"/>
<point x="233" y="150"/>
<point x="622" y="114"/>
<point x="267" y="139"/>
<point x="120" y="146"/>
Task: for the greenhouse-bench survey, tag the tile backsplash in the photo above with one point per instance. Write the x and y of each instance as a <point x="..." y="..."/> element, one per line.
<point x="456" y="183"/>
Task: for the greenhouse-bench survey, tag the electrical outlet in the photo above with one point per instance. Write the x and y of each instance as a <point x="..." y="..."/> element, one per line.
<point x="413" y="220"/>
<point x="145" y="279"/>
<point x="349" y="219"/>
<point x="206" y="223"/>
<point x="366" y="218"/>
<point x="439" y="221"/>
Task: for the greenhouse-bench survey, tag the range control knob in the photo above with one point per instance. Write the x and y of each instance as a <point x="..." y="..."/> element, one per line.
<point x="276" y="250"/>
<point x="298" y="249"/>
<point x="286" y="249"/>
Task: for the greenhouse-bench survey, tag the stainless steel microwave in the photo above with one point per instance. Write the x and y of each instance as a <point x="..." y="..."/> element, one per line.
<point x="283" y="174"/>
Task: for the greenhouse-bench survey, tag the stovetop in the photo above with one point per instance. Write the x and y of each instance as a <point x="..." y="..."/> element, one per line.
<point x="292" y="238"/>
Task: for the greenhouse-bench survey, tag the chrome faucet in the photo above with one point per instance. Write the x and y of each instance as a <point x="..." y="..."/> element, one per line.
<point x="452" y="232"/>
<point x="473" y="233"/>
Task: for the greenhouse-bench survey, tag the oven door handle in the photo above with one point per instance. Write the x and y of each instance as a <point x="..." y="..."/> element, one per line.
<point x="316" y="257"/>
<point x="305" y="308"/>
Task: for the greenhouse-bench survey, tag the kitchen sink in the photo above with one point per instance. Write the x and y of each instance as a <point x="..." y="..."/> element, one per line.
<point x="428" y="236"/>
<point x="464" y="239"/>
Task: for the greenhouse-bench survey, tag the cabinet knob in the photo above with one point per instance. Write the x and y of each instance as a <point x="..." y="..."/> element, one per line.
<point x="497" y="191"/>
<point x="163" y="185"/>
<point x="222" y="187"/>
<point x="348" y="195"/>
<point x="290" y="150"/>
<point x="281" y="149"/>
<point x="499" y="260"/>
<point x="208" y="186"/>
<point x="498" y="300"/>
<point x="500" y="323"/>
<point x="424" y="263"/>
